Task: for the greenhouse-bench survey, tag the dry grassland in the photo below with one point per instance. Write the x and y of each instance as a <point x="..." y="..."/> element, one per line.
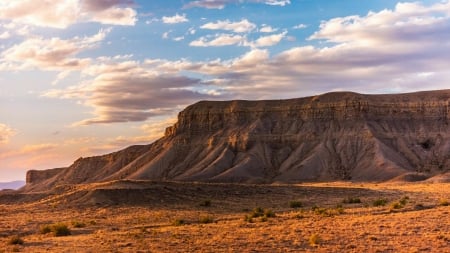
<point x="182" y="217"/>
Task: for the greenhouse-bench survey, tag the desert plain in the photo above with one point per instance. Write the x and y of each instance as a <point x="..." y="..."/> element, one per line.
<point x="146" y="216"/>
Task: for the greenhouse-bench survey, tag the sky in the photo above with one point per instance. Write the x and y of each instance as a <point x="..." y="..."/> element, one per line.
<point x="86" y="77"/>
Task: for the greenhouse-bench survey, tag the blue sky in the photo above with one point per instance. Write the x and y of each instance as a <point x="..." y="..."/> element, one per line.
<point x="86" y="77"/>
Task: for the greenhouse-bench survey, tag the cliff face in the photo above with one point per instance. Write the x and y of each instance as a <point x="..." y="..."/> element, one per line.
<point x="335" y="136"/>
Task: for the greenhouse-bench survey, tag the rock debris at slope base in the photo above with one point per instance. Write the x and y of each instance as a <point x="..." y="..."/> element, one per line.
<point x="334" y="136"/>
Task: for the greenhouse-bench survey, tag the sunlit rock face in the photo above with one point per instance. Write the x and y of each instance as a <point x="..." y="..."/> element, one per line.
<point x="334" y="136"/>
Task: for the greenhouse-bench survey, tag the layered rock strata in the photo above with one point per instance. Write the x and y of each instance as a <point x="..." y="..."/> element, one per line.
<point x="334" y="136"/>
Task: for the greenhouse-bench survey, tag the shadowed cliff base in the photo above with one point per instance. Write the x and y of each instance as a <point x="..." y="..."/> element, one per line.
<point x="334" y="136"/>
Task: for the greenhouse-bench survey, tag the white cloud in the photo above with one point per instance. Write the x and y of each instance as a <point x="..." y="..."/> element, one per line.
<point x="6" y="133"/>
<point x="5" y="35"/>
<point x="267" y="29"/>
<point x="218" y="41"/>
<point x="268" y="41"/>
<point x="51" y="54"/>
<point x="61" y="14"/>
<point x="220" y="4"/>
<point x="175" y="19"/>
<point x="300" y="26"/>
<point x="277" y="2"/>
<point x="116" y="16"/>
<point x="242" y="26"/>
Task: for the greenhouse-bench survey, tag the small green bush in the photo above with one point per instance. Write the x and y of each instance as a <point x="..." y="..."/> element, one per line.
<point x="269" y="213"/>
<point x="403" y="201"/>
<point x="295" y="204"/>
<point x="58" y="229"/>
<point x="15" y="240"/>
<point x="396" y="205"/>
<point x="351" y="200"/>
<point x="179" y="222"/>
<point x="45" y="229"/>
<point x="206" y="219"/>
<point x="380" y="202"/>
<point x="78" y="224"/>
<point x="258" y="212"/>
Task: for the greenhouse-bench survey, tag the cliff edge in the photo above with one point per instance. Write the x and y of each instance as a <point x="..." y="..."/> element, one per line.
<point x="334" y="136"/>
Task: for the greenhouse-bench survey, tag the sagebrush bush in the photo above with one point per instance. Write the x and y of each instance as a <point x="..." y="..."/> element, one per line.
<point x="380" y="202"/>
<point x="295" y="204"/>
<point x="352" y="200"/>
<point x="15" y="240"/>
<point x="206" y="219"/>
<point x="58" y="229"/>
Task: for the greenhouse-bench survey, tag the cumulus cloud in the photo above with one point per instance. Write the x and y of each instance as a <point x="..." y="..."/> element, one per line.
<point x="61" y="14"/>
<point x="127" y="91"/>
<point x="218" y="41"/>
<point x="175" y="19"/>
<point x="267" y="29"/>
<point x="6" y="133"/>
<point x="386" y="59"/>
<point x="242" y="26"/>
<point x="268" y="41"/>
<point x="50" y="54"/>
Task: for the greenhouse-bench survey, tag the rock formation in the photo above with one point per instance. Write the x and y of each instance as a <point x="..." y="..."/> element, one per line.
<point x="334" y="136"/>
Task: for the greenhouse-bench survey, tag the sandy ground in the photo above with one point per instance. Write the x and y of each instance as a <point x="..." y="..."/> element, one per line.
<point x="175" y="219"/>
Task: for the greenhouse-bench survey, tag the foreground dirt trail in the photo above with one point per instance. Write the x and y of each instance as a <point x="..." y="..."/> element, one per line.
<point x="414" y="218"/>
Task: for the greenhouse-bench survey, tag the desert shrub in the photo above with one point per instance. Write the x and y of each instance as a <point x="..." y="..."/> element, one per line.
<point x="403" y="201"/>
<point x="45" y="229"/>
<point x="295" y="204"/>
<point x="352" y="200"/>
<point x="443" y="202"/>
<point x="380" y="202"/>
<point x="179" y="222"/>
<point x="258" y="212"/>
<point x="269" y="213"/>
<point x="15" y="240"/>
<point x="206" y="203"/>
<point x="78" y="224"/>
<point x="206" y="219"/>
<point x="58" y="229"/>
<point x="314" y="240"/>
<point x="396" y="205"/>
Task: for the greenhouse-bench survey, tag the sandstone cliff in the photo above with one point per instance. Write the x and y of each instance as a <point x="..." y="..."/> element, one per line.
<point x="335" y="136"/>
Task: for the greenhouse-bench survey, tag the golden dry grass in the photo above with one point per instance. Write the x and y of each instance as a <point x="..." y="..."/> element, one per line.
<point x="420" y="225"/>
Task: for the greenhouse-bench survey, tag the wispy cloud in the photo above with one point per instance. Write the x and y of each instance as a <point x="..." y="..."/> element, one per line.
<point x="220" y="4"/>
<point x="50" y="54"/>
<point x="6" y="133"/>
<point x="218" y="40"/>
<point x="242" y="26"/>
<point x="175" y="19"/>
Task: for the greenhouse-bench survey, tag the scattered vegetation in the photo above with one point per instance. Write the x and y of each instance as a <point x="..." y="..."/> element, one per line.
<point x="295" y="204"/>
<point x="58" y="229"/>
<point x="15" y="240"/>
<point x="328" y="212"/>
<point x="315" y="240"/>
<point x="206" y="203"/>
<point x="206" y="219"/>
<point x="443" y="202"/>
<point x="258" y="212"/>
<point x="179" y="222"/>
<point x="78" y="224"/>
<point x="352" y="200"/>
<point x="380" y="202"/>
<point x="400" y="204"/>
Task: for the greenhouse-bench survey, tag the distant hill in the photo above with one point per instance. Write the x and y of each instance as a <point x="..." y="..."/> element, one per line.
<point x="334" y="136"/>
<point x="12" y="185"/>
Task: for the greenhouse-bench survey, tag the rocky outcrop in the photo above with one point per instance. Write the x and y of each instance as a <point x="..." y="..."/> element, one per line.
<point x="335" y="136"/>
